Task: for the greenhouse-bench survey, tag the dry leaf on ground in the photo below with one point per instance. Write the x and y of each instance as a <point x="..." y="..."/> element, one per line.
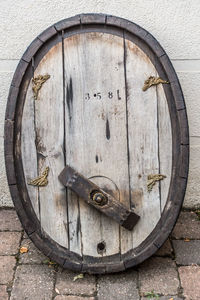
<point x="23" y="250"/>
<point x="80" y="276"/>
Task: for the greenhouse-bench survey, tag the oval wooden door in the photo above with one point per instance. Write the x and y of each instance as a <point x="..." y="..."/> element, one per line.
<point x="97" y="93"/>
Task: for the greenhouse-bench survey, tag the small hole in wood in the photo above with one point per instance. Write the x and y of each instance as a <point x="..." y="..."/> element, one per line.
<point x="101" y="247"/>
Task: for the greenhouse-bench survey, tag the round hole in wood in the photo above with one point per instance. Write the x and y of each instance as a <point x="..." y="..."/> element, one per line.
<point x="101" y="247"/>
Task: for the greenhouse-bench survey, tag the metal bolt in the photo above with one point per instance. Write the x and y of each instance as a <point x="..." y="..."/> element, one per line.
<point x="99" y="198"/>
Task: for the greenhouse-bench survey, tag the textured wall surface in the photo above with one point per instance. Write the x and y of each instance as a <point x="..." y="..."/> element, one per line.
<point x="175" y="24"/>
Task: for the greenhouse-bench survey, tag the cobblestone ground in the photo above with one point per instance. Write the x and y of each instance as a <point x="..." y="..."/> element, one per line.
<point x="172" y="274"/>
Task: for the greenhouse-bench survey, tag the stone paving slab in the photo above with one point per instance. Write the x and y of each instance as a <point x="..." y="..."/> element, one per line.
<point x="163" y="298"/>
<point x="190" y="281"/>
<point x="33" y="256"/>
<point x="3" y="292"/>
<point x="65" y="284"/>
<point x="9" y="221"/>
<point x="33" y="282"/>
<point x="159" y="275"/>
<point x="188" y="226"/>
<point x="9" y="243"/>
<point x="165" y="250"/>
<point x="63" y="297"/>
<point x="7" y="264"/>
<point x="121" y="286"/>
<point x="187" y="253"/>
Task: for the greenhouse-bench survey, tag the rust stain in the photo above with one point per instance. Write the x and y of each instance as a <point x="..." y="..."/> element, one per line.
<point x="59" y="199"/>
<point x="94" y="38"/>
<point x="137" y="197"/>
<point x="137" y="51"/>
<point x="50" y="54"/>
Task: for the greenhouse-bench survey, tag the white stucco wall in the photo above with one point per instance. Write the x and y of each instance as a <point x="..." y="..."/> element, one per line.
<point x="174" y="23"/>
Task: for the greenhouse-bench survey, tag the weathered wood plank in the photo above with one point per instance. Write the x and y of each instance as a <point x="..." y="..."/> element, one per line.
<point x="96" y="133"/>
<point x="165" y="144"/>
<point x="143" y="141"/>
<point x="74" y="223"/>
<point x="49" y="127"/>
<point x="28" y="148"/>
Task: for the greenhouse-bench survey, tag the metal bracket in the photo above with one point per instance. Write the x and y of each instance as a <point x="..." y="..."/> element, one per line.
<point x="152" y="179"/>
<point x="37" y="84"/>
<point x="153" y="81"/>
<point x="41" y="180"/>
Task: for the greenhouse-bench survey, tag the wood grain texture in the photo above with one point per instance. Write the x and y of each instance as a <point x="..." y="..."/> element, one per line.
<point x="28" y="148"/>
<point x="165" y="144"/>
<point x="50" y="135"/>
<point x="95" y="120"/>
<point x="143" y="141"/>
<point x="47" y="141"/>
